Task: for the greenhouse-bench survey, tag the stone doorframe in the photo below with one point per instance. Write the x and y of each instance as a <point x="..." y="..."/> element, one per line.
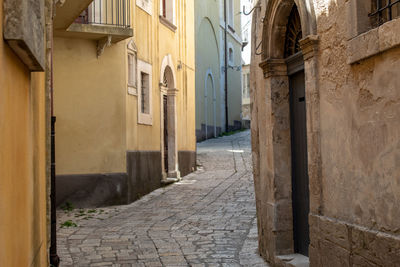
<point x="168" y="88"/>
<point x="275" y="206"/>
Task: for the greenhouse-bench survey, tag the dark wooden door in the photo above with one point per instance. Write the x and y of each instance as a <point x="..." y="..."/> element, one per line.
<point x="300" y="193"/>
<point x="165" y="110"/>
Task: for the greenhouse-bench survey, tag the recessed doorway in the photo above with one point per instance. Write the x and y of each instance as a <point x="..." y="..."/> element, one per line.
<point x="298" y="134"/>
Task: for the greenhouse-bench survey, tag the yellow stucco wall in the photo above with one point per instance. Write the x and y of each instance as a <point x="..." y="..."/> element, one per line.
<point x="23" y="236"/>
<point x="154" y="41"/>
<point x="97" y="120"/>
<point x="89" y="95"/>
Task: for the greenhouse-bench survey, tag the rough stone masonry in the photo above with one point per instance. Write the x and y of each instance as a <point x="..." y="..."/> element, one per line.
<point x="350" y="59"/>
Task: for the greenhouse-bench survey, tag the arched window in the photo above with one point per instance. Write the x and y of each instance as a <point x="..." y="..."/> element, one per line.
<point x="231" y="56"/>
<point x="132" y="68"/>
<point x="293" y="33"/>
<point x="168" y="79"/>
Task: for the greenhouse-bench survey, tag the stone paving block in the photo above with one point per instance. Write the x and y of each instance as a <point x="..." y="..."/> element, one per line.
<point x="207" y="219"/>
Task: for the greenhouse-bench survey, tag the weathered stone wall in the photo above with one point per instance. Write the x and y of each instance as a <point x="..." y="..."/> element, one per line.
<point x="360" y="147"/>
<point x="353" y="109"/>
<point x="256" y="89"/>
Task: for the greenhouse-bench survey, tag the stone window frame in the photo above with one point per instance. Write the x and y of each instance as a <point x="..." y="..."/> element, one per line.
<point x="169" y="20"/>
<point x="146" y="68"/>
<point x="364" y="40"/>
<point x="132" y="56"/>
<point x="246" y="85"/>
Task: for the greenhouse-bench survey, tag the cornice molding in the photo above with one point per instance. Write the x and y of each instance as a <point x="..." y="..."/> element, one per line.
<point x="309" y="46"/>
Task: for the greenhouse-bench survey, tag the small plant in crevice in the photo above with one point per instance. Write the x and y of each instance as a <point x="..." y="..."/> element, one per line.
<point x="68" y="206"/>
<point x="68" y="224"/>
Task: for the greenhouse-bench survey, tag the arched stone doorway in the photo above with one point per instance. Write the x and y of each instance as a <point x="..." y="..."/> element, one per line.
<point x="289" y="134"/>
<point x="210" y="99"/>
<point x="168" y="117"/>
<point x="298" y="133"/>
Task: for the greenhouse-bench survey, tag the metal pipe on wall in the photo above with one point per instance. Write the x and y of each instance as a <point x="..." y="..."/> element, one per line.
<point x="54" y="259"/>
<point x="226" y="70"/>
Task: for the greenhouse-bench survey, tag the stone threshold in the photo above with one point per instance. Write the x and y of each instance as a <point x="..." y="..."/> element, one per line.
<point x="292" y="260"/>
<point x="168" y="181"/>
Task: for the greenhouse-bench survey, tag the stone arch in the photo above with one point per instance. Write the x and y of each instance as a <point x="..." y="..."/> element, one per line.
<point x="169" y="144"/>
<point x="276" y="221"/>
<point x="207" y="44"/>
<point x="169" y="78"/>
<point x="168" y="62"/>
<point x="275" y="20"/>
<point x="209" y="75"/>
<point x="207" y="21"/>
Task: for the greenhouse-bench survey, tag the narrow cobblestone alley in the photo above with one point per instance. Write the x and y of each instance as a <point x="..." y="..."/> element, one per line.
<point x="207" y="219"/>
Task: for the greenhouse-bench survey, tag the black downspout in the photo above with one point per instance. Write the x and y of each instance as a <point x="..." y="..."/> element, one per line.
<point x="226" y="71"/>
<point x="54" y="259"/>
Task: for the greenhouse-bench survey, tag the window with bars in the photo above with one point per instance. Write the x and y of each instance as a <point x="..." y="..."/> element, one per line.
<point x="364" y="18"/>
<point x="383" y="11"/>
<point x="144" y="92"/>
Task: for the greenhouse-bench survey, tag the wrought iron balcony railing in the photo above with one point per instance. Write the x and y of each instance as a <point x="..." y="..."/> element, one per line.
<point x="107" y="12"/>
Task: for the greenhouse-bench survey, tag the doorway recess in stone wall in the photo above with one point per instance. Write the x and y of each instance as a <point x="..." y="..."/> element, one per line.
<point x="298" y="133"/>
<point x="289" y="45"/>
<point x="168" y="120"/>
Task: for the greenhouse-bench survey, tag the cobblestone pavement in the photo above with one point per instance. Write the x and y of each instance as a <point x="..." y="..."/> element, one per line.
<point x="207" y="219"/>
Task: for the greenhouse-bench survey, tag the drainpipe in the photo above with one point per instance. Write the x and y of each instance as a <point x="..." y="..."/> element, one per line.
<point x="54" y="259"/>
<point x="226" y="70"/>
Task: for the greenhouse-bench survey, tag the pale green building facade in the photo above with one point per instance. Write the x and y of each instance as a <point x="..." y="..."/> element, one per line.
<point x="211" y="99"/>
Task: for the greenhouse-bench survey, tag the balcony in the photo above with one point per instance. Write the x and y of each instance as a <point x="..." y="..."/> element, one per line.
<point x="108" y="20"/>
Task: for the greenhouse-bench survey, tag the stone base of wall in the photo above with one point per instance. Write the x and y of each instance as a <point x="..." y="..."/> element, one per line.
<point x="143" y="176"/>
<point x="92" y="190"/>
<point x="187" y="162"/>
<point x="337" y="243"/>
<point x="144" y="173"/>
<point x="237" y="125"/>
<point x="201" y="133"/>
<point x="246" y="124"/>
